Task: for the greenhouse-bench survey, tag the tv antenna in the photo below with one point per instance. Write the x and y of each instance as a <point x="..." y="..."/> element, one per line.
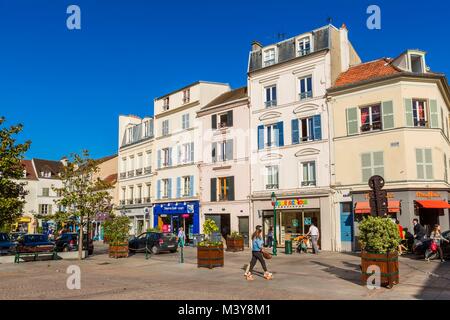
<point x="281" y="36"/>
<point x="329" y="20"/>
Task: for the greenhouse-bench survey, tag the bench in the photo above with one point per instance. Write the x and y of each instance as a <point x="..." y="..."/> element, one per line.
<point x="35" y="254"/>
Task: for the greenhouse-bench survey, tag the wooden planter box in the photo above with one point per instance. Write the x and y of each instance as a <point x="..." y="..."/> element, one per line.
<point x="210" y="257"/>
<point x="235" y="245"/>
<point x="118" y="250"/>
<point x="388" y="264"/>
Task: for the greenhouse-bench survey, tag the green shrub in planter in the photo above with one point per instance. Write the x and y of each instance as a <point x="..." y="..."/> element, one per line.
<point x="117" y="230"/>
<point x="235" y="235"/>
<point x="378" y="235"/>
<point x="209" y="227"/>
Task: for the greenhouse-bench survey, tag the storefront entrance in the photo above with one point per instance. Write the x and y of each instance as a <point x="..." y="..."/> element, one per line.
<point x="222" y="221"/>
<point x="244" y="229"/>
<point x="171" y="223"/>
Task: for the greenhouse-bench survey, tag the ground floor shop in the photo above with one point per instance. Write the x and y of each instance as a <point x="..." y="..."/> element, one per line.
<point x="294" y="216"/>
<point x="24" y="224"/>
<point x="140" y="220"/>
<point x="229" y="216"/>
<point x="430" y="207"/>
<point x="170" y="216"/>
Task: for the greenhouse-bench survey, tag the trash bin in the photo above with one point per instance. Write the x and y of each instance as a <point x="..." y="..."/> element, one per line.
<point x="288" y="247"/>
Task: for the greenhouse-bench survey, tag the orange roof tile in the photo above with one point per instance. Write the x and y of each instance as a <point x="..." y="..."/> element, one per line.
<point x="366" y="71"/>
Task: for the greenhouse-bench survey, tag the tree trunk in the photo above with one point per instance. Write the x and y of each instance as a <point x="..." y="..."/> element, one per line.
<point x="80" y="240"/>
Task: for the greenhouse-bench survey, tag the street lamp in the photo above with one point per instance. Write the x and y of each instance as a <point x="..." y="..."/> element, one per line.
<point x="274" y="203"/>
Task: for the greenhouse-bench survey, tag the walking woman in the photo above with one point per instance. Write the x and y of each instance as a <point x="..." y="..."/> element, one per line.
<point x="436" y="239"/>
<point x="257" y="247"/>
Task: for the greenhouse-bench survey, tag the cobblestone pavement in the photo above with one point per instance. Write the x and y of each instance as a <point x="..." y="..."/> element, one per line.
<point x="306" y="276"/>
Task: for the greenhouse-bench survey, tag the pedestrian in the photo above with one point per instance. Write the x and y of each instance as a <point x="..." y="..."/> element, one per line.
<point x="419" y="230"/>
<point x="436" y="239"/>
<point x="270" y="237"/>
<point x="402" y="237"/>
<point x="257" y="255"/>
<point x="315" y="235"/>
<point x="181" y="243"/>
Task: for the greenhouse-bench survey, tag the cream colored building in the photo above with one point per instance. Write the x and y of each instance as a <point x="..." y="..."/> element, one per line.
<point x="135" y="158"/>
<point x="178" y="148"/>
<point x="287" y="83"/>
<point x="390" y="118"/>
<point x="225" y="166"/>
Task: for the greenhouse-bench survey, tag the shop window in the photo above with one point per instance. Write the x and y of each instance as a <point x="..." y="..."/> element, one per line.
<point x="371" y="118"/>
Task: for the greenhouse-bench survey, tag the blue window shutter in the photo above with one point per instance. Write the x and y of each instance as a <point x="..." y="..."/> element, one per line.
<point x="214" y="152"/>
<point x="178" y="154"/>
<point x="310" y="129"/>
<point x="295" y="133"/>
<point x="279" y="137"/>
<point x="159" y="159"/>
<point x="178" y="187"/>
<point x="260" y="137"/>
<point x="191" y="191"/>
<point x="317" y="127"/>
<point x="170" y="156"/>
<point x="158" y="189"/>
<point x="169" y="187"/>
<point x="192" y="152"/>
<point x="274" y="93"/>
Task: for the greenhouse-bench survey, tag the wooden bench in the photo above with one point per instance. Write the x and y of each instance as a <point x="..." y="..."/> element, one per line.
<point x="35" y="255"/>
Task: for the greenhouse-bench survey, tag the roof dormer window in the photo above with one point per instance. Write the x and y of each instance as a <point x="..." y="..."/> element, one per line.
<point x="269" y="57"/>
<point x="303" y="46"/>
<point x="417" y="65"/>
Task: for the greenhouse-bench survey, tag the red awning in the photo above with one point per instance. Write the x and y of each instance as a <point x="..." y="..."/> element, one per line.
<point x="433" y="204"/>
<point x="364" y="207"/>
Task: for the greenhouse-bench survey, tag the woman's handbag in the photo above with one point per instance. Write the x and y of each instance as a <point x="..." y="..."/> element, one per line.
<point x="266" y="255"/>
<point x="433" y="246"/>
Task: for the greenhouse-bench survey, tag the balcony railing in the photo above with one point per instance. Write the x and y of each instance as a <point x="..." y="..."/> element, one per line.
<point x="130" y="201"/>
<point x="371" y="127"/>
<point x="123" y="175"/>
<point x="147" y="200"/>
<point x="304" y="52"/>
<point x="420" y="123"/>
<point x="186" y="99"/>
<point x="310" y="183"/>
<point x="270" y="103"/>
<point x="138" y="201"/>
<point x="306" y="95"/>
<point x="138" y="172"/>
<point x="272" y="186"/>
<point x="269" y="62"/>
<point x="148" y="170"/>
<point x="130" y="174"/>
<point x="122" y="202"/>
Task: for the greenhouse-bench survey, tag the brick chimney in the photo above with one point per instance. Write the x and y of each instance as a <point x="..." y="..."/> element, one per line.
<point x="256" y="45"/>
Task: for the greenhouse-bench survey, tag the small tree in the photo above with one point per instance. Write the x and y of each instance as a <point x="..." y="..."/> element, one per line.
<point x="379" y="235"/>
<point x="12" y="193"/>
<point x="209" y="227"/>
<point x="83" y="196"/>
<point x="117" y="229"/>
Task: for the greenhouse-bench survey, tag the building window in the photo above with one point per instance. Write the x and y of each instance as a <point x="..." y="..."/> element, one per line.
<point x="186" y="153"/>
<point x="306" y="88"/>
<point x="123" y="197"/>
<point x="371" y="118"/>
<point x="419" y="113"/>
<point x="424" y="163"/>
<point x="304" y="46"/>
<point x="372" y="163"/>
<point x="185" y="121"/>
<point x="166" y="104"/>
<point x="272" y="177"/>
<point x="166" y="157"/>
<point x="148" y="128"/>
<point x="186" y="95"/>
<point x="130" y="135"/>
<point x="306" y="129"/>
<point x="269" y="57"/>
<point x="131" y="195"/>
<point x="222" y="151"/>
<point x="223" y="120"/>
<point x="45" y="192"/>
<point x="416" y="63"/>
<point x="165" y="128"/>
<point x="45" y="209"/>
<point x="309" y="173"/>
<point x="270" y="134"/>
<point x="186" y="186"/>
<point x="271" y="96"/>
<point x="166" y="188"/>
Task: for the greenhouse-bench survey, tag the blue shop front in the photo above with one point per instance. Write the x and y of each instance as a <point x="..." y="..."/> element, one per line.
<point x="172" y="215"/>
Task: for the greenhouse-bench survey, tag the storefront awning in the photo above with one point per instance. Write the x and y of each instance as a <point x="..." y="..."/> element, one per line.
<point x="364" y="207"/>
<point x="433" y="204"/>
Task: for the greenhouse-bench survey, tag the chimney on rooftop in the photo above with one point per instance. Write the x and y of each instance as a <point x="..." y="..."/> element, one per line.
<point x="256" y="45"/>
<point x="64" y="161"/>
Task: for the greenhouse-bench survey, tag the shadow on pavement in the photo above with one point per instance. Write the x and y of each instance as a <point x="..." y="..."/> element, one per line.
<point x="344" y="274"/>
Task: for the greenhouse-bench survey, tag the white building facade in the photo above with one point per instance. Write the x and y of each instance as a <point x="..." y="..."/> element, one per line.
<point x="178" y="148"/>
<point x="290" y="141"/>
<point x="135" y="158"/>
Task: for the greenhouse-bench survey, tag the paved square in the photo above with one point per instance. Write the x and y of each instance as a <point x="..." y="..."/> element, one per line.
<point x="306" y="276"/>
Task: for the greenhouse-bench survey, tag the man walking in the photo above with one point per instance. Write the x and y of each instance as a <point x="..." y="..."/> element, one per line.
<point x="419" y="230"/>
<point x="314" y="233"/>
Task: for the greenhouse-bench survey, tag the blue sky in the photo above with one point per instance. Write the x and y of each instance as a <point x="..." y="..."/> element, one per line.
<point x="68" y="87"/>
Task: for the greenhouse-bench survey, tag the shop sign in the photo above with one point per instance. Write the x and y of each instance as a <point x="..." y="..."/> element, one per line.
<point x="390" y="195"/>
<point x="292" y="203"/>
<point x="428" y="195"/>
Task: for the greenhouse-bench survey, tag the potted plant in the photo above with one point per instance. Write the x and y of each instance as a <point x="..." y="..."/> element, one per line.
<point x="117" y="232"/>
<point x="210" y="252"/>
<point x="235" y="242"/>
<point x="379" y="239"/>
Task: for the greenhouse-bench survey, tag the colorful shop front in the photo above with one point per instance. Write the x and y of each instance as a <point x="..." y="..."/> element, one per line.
<point x="170" y="216"/>
<point x="294" y="216"/>
<point x="430" y="207"/>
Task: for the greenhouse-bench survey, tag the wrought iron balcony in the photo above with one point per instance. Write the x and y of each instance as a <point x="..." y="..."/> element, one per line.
<point x="311" y="183"/>
<point x="306" y="95"/>
<point x="148" y="170"/>
<point x="138" y="201"/>
<point x="130" y="201"/>
<point x="130" y="174"/>
<point x="272" y="186"/>
<point x="123" y="175"/>
<point x="147" y="200"/>
<point x="138" y="172"/>
<point x="270" y="103"/>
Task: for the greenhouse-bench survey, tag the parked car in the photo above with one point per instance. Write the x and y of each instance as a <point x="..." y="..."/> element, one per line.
<point x="69" y="242"/>
<point x="34" y="243"/>
<point x="156" y="242"/>
<point x="421" y="246"/>
<point x="6" y="244"/>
